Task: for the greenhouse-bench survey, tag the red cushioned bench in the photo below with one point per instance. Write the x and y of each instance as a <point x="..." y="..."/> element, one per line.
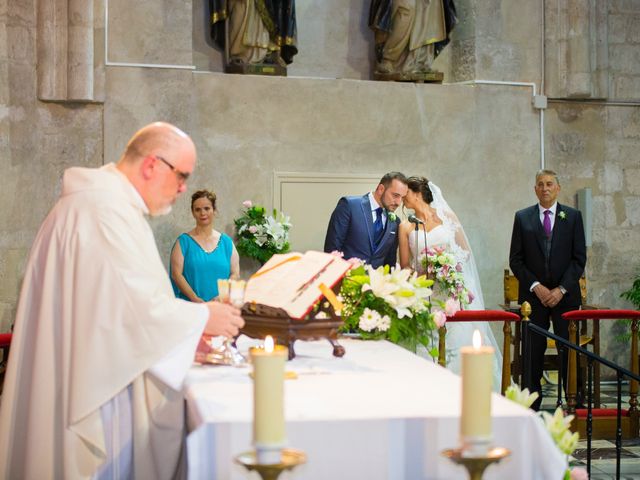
<point x="604" y="419"/>
<point x="483" y="316"/>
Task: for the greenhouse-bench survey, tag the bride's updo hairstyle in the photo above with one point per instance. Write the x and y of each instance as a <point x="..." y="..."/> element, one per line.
<point x="421" y="185"/>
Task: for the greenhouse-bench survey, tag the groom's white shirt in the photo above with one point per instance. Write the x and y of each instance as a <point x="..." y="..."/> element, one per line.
<point x="374" y="206"/>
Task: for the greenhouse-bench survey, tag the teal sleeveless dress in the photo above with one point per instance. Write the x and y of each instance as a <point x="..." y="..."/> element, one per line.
<point x="201" y="269"/>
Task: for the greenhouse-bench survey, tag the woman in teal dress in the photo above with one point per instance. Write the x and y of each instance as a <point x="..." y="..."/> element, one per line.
<point x="203" y="255"/>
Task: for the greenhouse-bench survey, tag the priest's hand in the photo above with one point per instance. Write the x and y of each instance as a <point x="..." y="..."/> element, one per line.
<point x="224" y="319"/>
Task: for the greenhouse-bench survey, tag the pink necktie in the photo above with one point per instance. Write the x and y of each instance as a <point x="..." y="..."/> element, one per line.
<point x="546" y="223"/>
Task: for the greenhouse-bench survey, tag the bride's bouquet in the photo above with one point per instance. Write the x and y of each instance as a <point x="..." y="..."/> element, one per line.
<point x="446" y="270"/>
<point x="391" y="304"/>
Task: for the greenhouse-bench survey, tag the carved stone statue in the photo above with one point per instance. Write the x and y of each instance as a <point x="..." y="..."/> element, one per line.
<point x="409" y="34"/>
<point x="255" y="34"/>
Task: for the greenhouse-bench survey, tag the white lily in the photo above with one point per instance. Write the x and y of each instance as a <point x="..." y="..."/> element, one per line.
<point x="521" y="397"/>
<point x="379" y="283"/>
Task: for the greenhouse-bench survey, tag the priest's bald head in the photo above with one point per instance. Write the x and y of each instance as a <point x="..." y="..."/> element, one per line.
<point x="157" y="161"/>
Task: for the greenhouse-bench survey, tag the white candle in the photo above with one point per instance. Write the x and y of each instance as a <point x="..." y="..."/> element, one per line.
<point x="268" y="401"/>
<point x="475" y="421"/>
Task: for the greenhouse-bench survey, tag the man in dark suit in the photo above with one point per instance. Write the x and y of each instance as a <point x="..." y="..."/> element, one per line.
<point x="365" y="227"/>
<point x="548" y="255"/>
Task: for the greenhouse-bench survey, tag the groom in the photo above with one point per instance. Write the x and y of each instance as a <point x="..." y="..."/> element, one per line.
<point x="364" y="227"/>
<point x="548" y="255"/>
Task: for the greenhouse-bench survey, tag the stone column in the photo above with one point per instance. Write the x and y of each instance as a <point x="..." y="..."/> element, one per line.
<point x="576" y="54"/>
<point x="65" y="50"/>
<point x="80" y="50"/>
<point x="51" y="44"/>
<point x="578" y="79"/>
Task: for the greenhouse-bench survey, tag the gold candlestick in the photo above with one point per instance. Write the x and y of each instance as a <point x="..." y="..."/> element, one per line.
<point x="476" y="465"/>
<point x="289" y="459"/>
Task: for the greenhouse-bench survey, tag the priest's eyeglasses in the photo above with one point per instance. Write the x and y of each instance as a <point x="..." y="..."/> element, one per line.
<point x="180" y="175"/>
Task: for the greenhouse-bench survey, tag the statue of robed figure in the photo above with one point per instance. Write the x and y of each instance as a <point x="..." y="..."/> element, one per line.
<point x="409" y="35"/>
<point x="258" y="36"/>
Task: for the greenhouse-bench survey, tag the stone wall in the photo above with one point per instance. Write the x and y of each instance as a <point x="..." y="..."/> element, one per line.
<point x="480" y="143"/>
<point x="596" y="145"/>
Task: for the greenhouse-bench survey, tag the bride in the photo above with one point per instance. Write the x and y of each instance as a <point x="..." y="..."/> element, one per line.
<point x="440" y="227"/>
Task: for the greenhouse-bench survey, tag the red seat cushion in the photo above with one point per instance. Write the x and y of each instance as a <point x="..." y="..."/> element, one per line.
<point x="483" y="316"/>
<point x="600" y="314"/>
<point x="601" y="412"/>
<point x="5" y="339"/>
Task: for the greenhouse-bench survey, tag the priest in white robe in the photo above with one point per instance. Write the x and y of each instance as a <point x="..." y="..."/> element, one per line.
<point x="101" y="345"/>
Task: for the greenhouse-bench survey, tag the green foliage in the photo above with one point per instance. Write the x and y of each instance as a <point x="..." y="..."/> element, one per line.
<point x="409" y="331"/>
<point x="260" y="236"/>
<point x="633" y="295"/>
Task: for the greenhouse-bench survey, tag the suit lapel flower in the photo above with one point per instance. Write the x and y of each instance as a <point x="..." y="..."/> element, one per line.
<point x="391" y="216"/>
<point x="562" y="215"/>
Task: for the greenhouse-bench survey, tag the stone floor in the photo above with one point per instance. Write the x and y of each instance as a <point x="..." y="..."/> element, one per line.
<point x="603" y="452"/>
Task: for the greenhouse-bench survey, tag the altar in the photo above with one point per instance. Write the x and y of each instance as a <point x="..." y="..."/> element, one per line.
<point x="379" y="412"/>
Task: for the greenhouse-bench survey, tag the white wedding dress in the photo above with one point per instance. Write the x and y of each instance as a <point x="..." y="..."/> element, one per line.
<point x="450" y="235"/>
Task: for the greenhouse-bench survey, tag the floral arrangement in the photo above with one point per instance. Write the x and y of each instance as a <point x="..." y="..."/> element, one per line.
<point x="446" y="270"/>
<point x="260" y="236"/>
<point x="557" y="425"/>
<point x="392" y="304"/>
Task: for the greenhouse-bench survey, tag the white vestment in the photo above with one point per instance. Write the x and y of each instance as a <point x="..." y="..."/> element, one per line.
<point x="97" y="322"/>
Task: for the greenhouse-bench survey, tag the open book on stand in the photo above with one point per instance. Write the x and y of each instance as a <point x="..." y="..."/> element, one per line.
<point x="295" y="282"/>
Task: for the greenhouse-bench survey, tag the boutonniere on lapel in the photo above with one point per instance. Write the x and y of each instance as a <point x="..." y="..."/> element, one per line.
<point x="562" y="215"/>
<point x="391" y="216"/>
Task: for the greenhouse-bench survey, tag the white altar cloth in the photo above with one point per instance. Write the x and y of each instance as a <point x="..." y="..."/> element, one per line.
<point x="379" y="412"/>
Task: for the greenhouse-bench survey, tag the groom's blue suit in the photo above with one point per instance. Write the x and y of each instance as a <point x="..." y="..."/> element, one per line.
<point x="350" y="231"/>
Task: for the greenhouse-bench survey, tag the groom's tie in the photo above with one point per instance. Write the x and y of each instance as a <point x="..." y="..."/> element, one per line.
<point x="377" y="227"/>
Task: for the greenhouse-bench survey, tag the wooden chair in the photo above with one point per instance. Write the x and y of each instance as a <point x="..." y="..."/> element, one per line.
<point x="5" y="343"/>
<point x="510" y="285"/>
<point x="604" y="420"/>
<point x="483" y="316"/>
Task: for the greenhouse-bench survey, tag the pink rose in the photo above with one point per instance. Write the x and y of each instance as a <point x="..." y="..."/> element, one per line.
<point x="247" y="204"/>
<point x="253" y="229"/>
<point x="458" y="267"/>
<point x="451" y="307"/>
<point x="439" y="317"/>
<point x="579" y="473"/>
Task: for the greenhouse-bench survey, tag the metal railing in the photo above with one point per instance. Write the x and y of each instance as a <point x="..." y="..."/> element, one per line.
<point x="591" y="357"/>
